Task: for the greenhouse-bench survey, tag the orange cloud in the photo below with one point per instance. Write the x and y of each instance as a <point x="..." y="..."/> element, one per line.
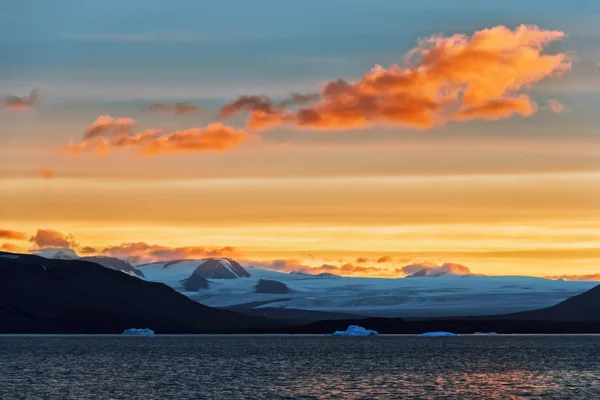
<point x="432" y="269"/>
<point x="177" y="108"/>
<point x="12" y="235"/>
<point x="106" y="134"/>
<point x="456" y="78"/>
<point x="107" y="126"/>
<point x="346" y="269"/>
<point x="299" y="98"/>
<point x="362" y="260"/>
<point x="557" y="107"/>
<point x="46" y="173"/>
<point x="215" y="137"/>
<point x="384" y="259"/>
<point x="264" y="104"/>
<point x="12" y="102"/>
<point x="88" y="250"/>
<point x="140" y="252"/>
<point x="591" y="277"/>
<point x="10" y="248"/>
<point x="49" y="238"/>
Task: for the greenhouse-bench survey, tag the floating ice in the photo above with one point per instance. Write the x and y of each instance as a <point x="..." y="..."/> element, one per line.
<point x="439" y="334"/>
<point x="354" y="330"/>
<point x="139" y="332"/>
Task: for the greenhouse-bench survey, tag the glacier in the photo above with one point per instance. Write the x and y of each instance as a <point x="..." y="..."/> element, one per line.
<point x="374" y="297"/>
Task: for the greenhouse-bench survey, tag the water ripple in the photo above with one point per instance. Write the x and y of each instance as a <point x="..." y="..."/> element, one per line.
<point x="283" y="367"/>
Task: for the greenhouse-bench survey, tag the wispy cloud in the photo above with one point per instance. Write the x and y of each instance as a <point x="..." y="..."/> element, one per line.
<point x="557" y="107"/>
<point x="13" y="102"/>
<point x="108" y="133"/>
<point x="177" y="108"/>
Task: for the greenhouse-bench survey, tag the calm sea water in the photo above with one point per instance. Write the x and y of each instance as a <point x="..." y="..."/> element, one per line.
<point x="300" y="367"/>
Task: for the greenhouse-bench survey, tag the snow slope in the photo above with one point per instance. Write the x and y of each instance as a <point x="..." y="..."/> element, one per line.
<point x="402" y="297"/>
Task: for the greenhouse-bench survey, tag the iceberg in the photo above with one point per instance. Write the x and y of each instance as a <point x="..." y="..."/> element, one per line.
<point x="439" y="334"/>
<point x="138" y="332"/>
<point x="355" y="330"/>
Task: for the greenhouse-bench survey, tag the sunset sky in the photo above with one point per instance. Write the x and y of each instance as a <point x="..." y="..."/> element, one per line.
<point x="364" y="135"/>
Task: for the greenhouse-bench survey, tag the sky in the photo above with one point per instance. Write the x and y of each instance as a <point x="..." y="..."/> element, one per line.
<point x="347" y="136"/>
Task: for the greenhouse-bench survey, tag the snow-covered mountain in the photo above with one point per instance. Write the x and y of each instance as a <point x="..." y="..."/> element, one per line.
<point x="174" y="272"/>
<point x="57" y="254"/>
<point x="108" y="262"/>
<point x="221" y="283"/>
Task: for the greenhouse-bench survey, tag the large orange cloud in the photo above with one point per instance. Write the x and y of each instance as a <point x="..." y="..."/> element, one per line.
<point x="12" y="102"/>
<point x="443" y="79"/>
<point x="107" y="133"/>
<point x="12" y="235"/>
<point x="49" y="238"/>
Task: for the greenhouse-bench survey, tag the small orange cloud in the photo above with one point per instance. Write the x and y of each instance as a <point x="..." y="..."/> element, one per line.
<point x="12" y="235"/>
<point x="177" y="108"/>
<point x="362" y="260"/>
<point x="107" y="126"/>
<point x="384" y="259"/>
<point x="10" y="248"/>
<point x="12" y="102"/>
<point x="46" y="173"/>
<point x="443" y="79"/>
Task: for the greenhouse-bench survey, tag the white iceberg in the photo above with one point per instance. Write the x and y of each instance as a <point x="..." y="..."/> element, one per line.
<point x="138" y="332"/>
<point x="354" y="330"/>
<point x="485" y="333"/>
<point x="439" y="334"/>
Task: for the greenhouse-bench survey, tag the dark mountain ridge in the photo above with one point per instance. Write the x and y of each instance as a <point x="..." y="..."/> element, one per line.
<point x="40" y="295"/>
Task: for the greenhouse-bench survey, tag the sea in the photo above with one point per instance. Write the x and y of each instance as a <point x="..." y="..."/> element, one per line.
<point x="300" y="367"/>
